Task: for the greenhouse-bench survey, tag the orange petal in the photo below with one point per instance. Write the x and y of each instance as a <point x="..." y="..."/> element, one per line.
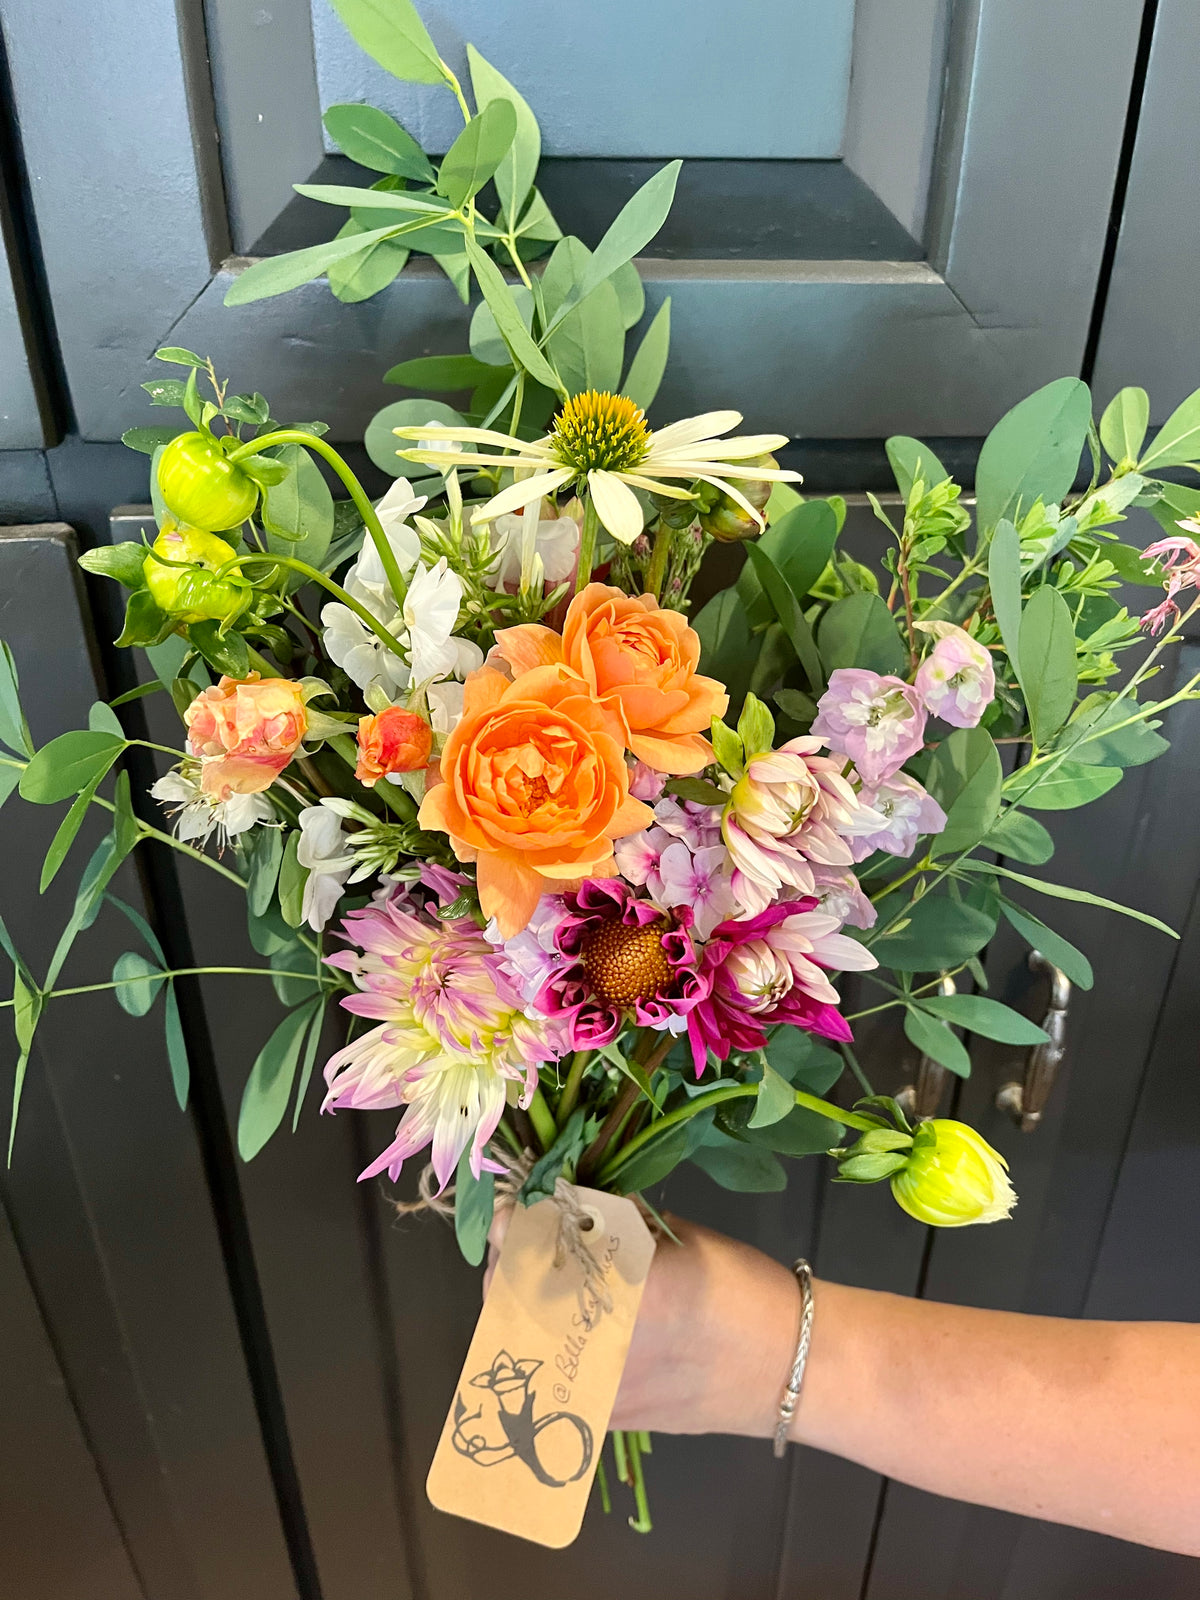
<point x="483" y="689"/>
<point x="508" y="891"/>
<point x="631" y="816"/>
<point x="679" y="756"/>
<point x="529" y="645"/>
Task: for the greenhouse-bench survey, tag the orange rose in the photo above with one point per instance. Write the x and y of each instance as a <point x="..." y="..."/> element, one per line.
<point x="245" y="731"/>
<point x="645" y="659"/>
<point x="394" y="740"/>
<point x="534" y="788"/>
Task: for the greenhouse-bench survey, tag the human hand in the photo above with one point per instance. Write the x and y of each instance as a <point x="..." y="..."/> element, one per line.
<point x="714" y="1337"/>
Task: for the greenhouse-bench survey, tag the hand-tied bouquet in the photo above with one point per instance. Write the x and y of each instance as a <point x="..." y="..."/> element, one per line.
<point x="487" y="788"/>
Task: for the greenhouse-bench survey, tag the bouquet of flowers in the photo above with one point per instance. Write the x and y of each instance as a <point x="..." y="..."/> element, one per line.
<point x="584" y="873"/>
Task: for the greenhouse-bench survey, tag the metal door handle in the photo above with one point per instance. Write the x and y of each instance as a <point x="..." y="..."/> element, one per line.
<point x="1024" y="1102"/>
<point x="922" y="1097"/>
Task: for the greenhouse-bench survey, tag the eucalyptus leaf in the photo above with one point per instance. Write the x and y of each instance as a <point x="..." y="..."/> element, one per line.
<point x="860" y="631"/>
<point x="1050" y="944"/>
<point x="177" y="1056"/>
<point x="358" y="277"/>
<point x="512" y="329"/>
<point x="277" y="274"/>
<point x="292" y="878"/>
<point x="266" y="853"/>
<point x="803" y="1060"/>
<point x="518" y="167"/>
<point x="934" y="1039"/>
<point x="375" y="140"/>
<point x="658" y="1157"/>
<point x="638" y="220"/>
<point x="1033" y="452"/>
<point x="1124" y="423"/>
<point x="445" y="373"/>
<point x="650" y="360"/>
<point x="382" y="444"/>
<point x="392" y="32"/>
<point x="138" y="982"/>
<point x="587" y="346"/>
<point x="1047" y="671"/>
<point x="477" y="152"/>
<point x="64" y="838"/>
<point x="269" y="1086"/>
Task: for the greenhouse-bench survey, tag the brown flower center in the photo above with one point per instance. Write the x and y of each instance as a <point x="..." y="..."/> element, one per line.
<point x="625" y="964"/>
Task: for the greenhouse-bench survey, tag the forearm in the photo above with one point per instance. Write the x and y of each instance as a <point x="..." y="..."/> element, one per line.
<point x="1094" y="1424"/>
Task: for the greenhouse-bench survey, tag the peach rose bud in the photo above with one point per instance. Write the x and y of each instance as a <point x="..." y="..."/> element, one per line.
<point x="245" y="732"/>
<point x="393" y="740"/>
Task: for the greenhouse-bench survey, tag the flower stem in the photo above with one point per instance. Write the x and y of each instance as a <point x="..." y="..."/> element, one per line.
<point x="587" y="544"/>
<point x="657" y="570"/>
<point x="175" y="972"/>
<point x="570" y="1095"/>
<point x="633" y="1446"/>
<point x="396" y="799"/>
<point x="543" y="1121"/>
<point x="310" y="441"/>
<point x="314" y="575"/>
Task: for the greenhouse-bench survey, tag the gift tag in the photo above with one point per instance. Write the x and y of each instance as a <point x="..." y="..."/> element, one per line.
<point x="522" y="1441"/>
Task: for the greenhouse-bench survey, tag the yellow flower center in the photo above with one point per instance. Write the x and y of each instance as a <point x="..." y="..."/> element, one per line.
<point x="602" y="430"/>
<point x="624" y="964"/>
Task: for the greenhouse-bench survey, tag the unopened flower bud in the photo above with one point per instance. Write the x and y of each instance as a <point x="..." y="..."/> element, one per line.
<point x="193" y="592"/>
<point x="728" y="521"/>
<point x="201" y="486"/>
<point x="952" y="1177"/>
<point x="392" y="740"/>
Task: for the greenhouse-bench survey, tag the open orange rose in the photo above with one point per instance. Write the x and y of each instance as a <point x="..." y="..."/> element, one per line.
<point x="245" y="730"/>
<point x="393" y="740"/>
<point x="642" y="657"/>
<point x="534" y="789"/>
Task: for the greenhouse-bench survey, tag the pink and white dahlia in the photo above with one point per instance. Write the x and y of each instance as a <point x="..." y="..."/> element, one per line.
<point x="956" y="680"/>
<point x="879" y="722"/>
<point x="451" y="1038"/>
<point x="903" y="811"/>
<point x="770" y="969"/>
<point x="791" y="809"/>
<point x="601" y="955"/>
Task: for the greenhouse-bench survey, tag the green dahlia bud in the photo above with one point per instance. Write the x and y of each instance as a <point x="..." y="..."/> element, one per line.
<point x="193" y="593"/>
<point x="953" y="1177"/>
<point x="728" y="521"/>
<point x="201" y="486"/>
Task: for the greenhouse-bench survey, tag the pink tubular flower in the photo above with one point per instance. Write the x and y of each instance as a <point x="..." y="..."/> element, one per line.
<point x="1180" y="562"/>
<point x="791" y="808"/>
<point x="903" y="811"/>
<point x="879" y="722"/>
<point x="770" y="969"/>
<point x="245" y="732"/>
<point x="451" y="1035"/>
<point x="956" y="680"/>
<point x="605" y="955"/>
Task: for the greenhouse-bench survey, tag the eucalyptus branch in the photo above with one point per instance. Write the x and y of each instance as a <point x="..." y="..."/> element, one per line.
<point x="160" y="974"/>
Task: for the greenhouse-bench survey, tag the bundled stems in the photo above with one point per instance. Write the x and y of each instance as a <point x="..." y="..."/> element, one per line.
<point x="657" y="570"/>
<point x="587" y="544"/>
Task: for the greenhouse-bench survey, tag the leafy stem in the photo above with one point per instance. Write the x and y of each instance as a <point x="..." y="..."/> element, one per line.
<point x="160" y="974"/>
<point x="315" y="575"/>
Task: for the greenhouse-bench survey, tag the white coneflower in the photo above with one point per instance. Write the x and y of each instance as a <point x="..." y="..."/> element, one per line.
<point x="601" y="443"/>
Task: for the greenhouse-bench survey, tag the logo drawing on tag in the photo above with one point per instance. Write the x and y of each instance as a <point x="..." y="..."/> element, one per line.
<point x="504" y="1426"/>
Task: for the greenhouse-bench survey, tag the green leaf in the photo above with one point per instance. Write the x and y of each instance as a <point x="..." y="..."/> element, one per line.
<point x="269" y="1086"/>
<point x="650" y="362"/>
<point x="148" y="440"/>
<point x="266" y="855"/>
<point x="986" y="1017"/>
<point x="177" y="1056"/>
<point x="191" y="402"/>
<point x="1033" y="452"/>
<point x="638" y="220"/>
<point x="277" y="274"/>
<point x="9" y="778"/>
<point x="474" y="1201"/>
<point x="138" y="982"/>
<point x="1086" y="738"/>
<point x="800" y="1133"/>
<point x="775" y="1099"/>
<point x="657" y="1158"/>
<point x="144" y="623"/>
<point x="392" y="32"/>
<point x="180" y="357"/>
<point x="298" y="513"/>
<point x="124" y="562"/>
<point x="358" y="277"/>
<point x="442" y="373"/>
<point x="518" y="167"/>
<point x="1004" y="582"/>
<point x="1052" y="945"/>
<point x="65" y="837"/>
<point x="226" y="652"/>
<point x="726" y="646"/>
<point x="508" y="319"/>
<point x="1124" y="423"/>
<point x="756" y="727"/>
<point x="588" y="346"/>
<point x="1047" y="672"/>
<point x="14" y="730"/>
<point x="965" y="778"/>
<point x="568" y="1146"/>
<point x="68" y="764"/>
<point x="1177" y="442"/>
<point x="1062" y="891"/>
<point x="744" y="1168"/>
<point x="375" y="140"/>
<point x="800" y="543"/>
<point x="103" y="719"/>
<point x="787" y="610"/>
<point x="697" y="789"/>
<point x="292" y="878"/>
<point x="910" y="460"/>
<point x="477" y="152"/>
<point x="1022" y="837"/>
<point x="166" y="391"/>
<point x="803" y="1060"/>
<point x="935" y="1040"/>
<point x="1070" y="784"/>
<point x="311" y="1045"/>
<point x="940" y="933"/>
<point x="382" y="444"/>
<point x="860" y="631"/>
<point x="630" y="293"/>
<point x="727" y="747"/>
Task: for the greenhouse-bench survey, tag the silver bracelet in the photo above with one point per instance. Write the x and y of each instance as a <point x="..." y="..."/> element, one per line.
<point x="791" y="1394"/>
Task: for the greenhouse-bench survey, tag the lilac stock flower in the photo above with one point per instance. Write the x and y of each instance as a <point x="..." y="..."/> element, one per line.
<point x="840" y="894"/>
<point x="956" y="680"/>
<point x="879" y="722"/>
<point x="907" y="810"/>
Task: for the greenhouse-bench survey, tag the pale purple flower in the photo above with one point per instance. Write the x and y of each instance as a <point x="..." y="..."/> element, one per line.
<point x="956" y="680"/>
<point x="638" y="856"/>
<point x="879" y="722"/>
<point x="645" y="783"/>
<point x="841" y="895"/>
<point x="906" y="811"/>
<point x="701" y="879"/>
<point x="697" y="825"/>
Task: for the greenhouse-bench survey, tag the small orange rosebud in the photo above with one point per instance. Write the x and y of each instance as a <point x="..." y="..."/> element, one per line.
<point x="246" y="731"/>
<point x="393" y="740"/>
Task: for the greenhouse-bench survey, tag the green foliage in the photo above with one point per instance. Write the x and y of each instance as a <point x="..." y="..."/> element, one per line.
<point x="800" y="542"/>
<point x="965" y="779"/>
<point x="1004" y="580"/>
<point x="934" y="1039"/>
<point x="726" y="645"/>
<point x="1052" y="945"/>
<point x="477" y="152"/>
<point x="392" y="32"/>
<point x="14" y="730"/>
<point x="1033" y="452"/>
<point x="375" y="140"/>
<point x="788" y="613"/>
<point x="860" y="631"/>
<point x="650" y="361"/>
<point x="1060" y="786"/>
<point x="733" y="1164"/>
<point x="383" y="445"/>
<point x="983" y="1016"/>
<point x="124" y="562"/>
<point x="68" y="764"/>
<point x="139" y="982"/>
<point x="269" y="1086"/>
<point x="474" y="1201"/>
<point x="1124" y="423"/>
<point x="1047" y="670"/>
<point x="775" y="1099"/>
<point x="939" y="932"/>
<point x="517" y="168"/>
<point x="1022" y="837"/>
<point x="911" y="461"/>
<point x="1177" y="442"/>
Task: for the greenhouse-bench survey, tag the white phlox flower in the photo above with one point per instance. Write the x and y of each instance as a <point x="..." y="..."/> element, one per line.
<point x="198" y="816"/>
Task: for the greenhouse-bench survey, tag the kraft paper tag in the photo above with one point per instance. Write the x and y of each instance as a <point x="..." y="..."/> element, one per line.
<point x="521" y="1444"/>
